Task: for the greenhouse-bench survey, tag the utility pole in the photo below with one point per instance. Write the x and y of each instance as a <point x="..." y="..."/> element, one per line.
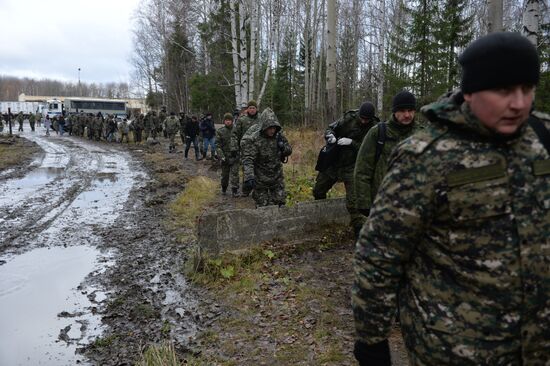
<point x="79" y="88"/>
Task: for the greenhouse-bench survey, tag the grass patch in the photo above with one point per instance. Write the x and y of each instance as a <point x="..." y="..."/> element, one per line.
<point x="160" y="355"/>
<point x="300" y="171"/>
<point x="16" y="153"/>
<point x="189" y="205"/>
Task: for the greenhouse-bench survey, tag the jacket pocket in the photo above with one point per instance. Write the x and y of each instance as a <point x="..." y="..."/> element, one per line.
<point x="480" y="199"/>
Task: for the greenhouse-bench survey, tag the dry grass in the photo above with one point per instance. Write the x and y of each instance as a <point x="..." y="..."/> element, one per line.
<point x="300" y="171"/>
<point x="161" y="355"/>
<point x="16" y="153"/>
<point x="197" y="197"/>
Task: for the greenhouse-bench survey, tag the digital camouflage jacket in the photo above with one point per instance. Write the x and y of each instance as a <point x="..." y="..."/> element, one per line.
<point x="261" y="154"/>
<point x="223" y="144"/>
<point x="172" y="125"/>
<point x="459" y="236"/>
<point x="241" y="126"/>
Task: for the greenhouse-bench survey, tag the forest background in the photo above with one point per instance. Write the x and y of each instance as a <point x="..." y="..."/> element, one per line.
<point x="309" y="60"/>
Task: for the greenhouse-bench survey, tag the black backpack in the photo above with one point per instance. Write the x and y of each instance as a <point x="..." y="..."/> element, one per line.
<point x="327" y="157"/>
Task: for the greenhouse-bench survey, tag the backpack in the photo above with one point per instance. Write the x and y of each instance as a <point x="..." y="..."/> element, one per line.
<point x="327" y="157"/>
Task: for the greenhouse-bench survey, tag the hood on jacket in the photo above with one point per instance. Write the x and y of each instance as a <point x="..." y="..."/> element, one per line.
<point x="269" y="119"/>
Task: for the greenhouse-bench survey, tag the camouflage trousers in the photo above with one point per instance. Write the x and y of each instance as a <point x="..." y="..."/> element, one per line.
<point x="272" y="195"/>
<point x="324" y="182"/>
<point x="230" y="174"/>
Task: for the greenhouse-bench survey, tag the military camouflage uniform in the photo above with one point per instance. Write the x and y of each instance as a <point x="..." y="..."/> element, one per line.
<point x="148" y="125"/>
<point x="230" y="166"/>
<point x="241" y="126"/>
<point x="171" y="126"/>
<point x="261" y="158"/>
<point x="20" y="120"/>
<point x="368" y="174"/>
<point x="349" y="126"/>
<point x="459" y="236"/>
<point x="32" y="121"/>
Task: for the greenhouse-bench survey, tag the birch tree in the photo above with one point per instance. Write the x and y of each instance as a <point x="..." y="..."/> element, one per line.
<point x="531" y="16"/>
<point x="494" y="16"/>
<point x="331" y="60"/>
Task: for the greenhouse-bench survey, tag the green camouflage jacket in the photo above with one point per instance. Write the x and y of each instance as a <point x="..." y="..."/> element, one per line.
<point x="240" y="128"/>
<point x="171" y="124"/>
<point x="459" y="236"/>
<point x="223" y="144"/>
<point x="350" y="126"/>
<point x="368" y="174"/>
<point x="261" y="154"/>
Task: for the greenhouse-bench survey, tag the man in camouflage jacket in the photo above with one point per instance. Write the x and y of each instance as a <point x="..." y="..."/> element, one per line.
<point x="264" y="147"/>
<point x="348" y="133"/>
<point x="370" y="168"/>
<point x="247" y="120"/>
<point x="171" y="126"/>
<point x="228" y="161"/>
<point x="459" y="233"/>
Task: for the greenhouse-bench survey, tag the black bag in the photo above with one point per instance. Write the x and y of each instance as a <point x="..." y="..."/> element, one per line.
<point x="327" y="157"/>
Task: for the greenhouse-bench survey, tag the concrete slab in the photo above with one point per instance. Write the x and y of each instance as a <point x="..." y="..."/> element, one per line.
<point x="242" y="228"/>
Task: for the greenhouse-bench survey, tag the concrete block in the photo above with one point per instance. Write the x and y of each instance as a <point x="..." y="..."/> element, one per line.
<point x="241" y="228"/>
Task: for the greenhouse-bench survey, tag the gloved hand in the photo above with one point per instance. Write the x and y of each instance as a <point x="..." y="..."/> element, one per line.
<point x="377" y="354"/>
<point x="331" y="139"/>
<point x="250" y="184"/>
<point x="343" y="141"/>
<point x="364" y="211"/>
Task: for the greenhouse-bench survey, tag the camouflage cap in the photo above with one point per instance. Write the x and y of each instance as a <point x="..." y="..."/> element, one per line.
<point x="252" y="103"/>
<point x="227" y="116"/>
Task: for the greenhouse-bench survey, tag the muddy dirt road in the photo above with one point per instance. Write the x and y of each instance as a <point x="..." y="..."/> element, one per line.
<point x="86" y="274"/>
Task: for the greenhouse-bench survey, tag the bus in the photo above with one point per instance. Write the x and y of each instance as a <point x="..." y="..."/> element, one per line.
<point x="115" y="107"/>
<point x="72" y="105"/>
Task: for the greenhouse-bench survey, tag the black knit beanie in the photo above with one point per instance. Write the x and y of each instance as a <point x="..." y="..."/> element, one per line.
<point x="403" y="100"/>
<point x="499" y="60"/>
<point x="366" y="110"/>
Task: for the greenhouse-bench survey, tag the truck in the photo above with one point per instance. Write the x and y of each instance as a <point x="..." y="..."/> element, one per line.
<point x="25" y="107"/>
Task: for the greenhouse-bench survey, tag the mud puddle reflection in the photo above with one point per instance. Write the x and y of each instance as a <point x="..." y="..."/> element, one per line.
<point x="43" y="316"/>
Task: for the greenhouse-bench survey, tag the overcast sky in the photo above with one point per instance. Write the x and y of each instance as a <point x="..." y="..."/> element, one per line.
<point x="52" y="39"/>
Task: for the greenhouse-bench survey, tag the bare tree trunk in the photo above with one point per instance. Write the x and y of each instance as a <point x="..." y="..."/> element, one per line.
<point x="273" y="41"/>
<point x="531" y="16"/>
<point x="253" y="35"/>
<point x="235" y="54"/>
<point x="331" y="60"/>
<point x="243" y="56"/>
<point x="381" y="55"/>
<point x="494" y="16"/>
<point x="306" y="37"/>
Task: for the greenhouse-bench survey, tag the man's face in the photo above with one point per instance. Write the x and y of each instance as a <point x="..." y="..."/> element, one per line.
<point x="270" y="131"/>
<point x="252" y="110"/>
<point x="228" y="122"/>
<point x="502" y="110"/>
<point x="364" y="120"/>
<point x="404" y="116"/>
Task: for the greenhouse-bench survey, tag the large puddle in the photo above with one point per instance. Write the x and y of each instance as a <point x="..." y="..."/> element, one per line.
<point x="43" y="315"/>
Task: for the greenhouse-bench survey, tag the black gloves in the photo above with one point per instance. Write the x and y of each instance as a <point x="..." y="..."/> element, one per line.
<point x="250" y="184"/>
<point x="377" y="354"/>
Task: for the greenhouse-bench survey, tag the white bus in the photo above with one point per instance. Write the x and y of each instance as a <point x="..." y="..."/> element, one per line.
<point x="115" y="107"/>
<point x="72" y="105"/>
